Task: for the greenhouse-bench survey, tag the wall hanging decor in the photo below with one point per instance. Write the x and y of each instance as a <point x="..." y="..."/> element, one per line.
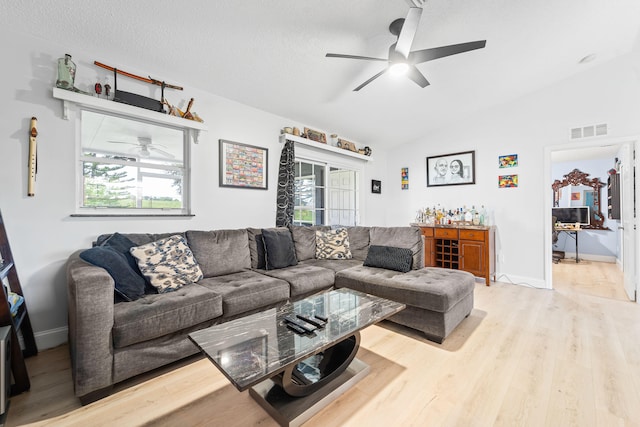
<point x="404" y="178"/>
<point x="451" y="169"/>
<point x="508" y="181"/>
<point x="243" y="165"/>
<point x="376" y="186"/>
<point x="508" y="161"/>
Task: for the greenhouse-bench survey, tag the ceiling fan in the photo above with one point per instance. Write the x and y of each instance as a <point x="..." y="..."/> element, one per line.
<point x="144" y="147"/>
<point x="401" y="59"/>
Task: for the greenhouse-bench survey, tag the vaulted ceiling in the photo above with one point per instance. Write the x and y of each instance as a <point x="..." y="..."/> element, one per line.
<point x="270" y="54"/>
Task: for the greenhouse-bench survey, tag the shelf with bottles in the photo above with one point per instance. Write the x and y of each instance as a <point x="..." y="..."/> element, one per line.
<point x="458" y="217"/>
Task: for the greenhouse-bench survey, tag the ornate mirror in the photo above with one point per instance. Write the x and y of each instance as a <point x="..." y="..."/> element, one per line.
<point x="576" y="189"/>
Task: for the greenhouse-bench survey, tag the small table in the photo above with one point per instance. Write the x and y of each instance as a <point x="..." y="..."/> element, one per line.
<point x="573" y="233"/>
<point x="293" y="376"/>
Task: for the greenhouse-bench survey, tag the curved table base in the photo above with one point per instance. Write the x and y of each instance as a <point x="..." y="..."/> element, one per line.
<point x="293" y="411"/>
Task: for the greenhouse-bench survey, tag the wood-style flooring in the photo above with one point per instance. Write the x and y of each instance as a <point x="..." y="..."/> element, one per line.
<point x="524" y="357"/>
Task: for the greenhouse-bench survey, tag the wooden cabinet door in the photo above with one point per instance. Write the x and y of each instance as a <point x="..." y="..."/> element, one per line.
<point x="472" y="257"/>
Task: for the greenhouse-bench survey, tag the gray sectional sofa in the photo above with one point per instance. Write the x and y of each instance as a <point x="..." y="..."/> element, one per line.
<point x="110" y="341"/>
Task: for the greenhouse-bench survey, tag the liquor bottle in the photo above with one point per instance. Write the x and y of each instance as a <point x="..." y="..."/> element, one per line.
<point x="483" y="216"/>
<point x="66" y="72"/>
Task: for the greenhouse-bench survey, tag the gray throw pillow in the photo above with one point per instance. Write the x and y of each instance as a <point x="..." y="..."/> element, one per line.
<point x="389" y="257"/>
<point x="279" y="251"/>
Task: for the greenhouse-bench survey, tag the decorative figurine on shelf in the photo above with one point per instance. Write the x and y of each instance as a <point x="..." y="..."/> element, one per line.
<point x="98" y="88"/>
<point x="107" y="90"/>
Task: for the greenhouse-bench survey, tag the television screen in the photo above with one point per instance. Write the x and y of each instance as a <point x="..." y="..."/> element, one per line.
<point x="572" y="215"/>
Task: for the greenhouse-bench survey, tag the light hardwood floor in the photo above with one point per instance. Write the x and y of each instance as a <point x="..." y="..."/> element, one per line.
<point x="524" y="357"/>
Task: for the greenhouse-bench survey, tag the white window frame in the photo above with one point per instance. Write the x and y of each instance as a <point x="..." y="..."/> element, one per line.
<point x="185" y="210"/>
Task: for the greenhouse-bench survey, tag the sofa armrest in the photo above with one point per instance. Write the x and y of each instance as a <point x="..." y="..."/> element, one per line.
<point x="90" y="297"/>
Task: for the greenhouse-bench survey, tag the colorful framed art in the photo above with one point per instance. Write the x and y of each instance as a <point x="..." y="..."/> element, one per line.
<point x="243" y="165"/>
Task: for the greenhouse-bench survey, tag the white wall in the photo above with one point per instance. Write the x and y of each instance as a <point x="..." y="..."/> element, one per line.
<point x="42" y="233"/>
<point x="608" y="93"/>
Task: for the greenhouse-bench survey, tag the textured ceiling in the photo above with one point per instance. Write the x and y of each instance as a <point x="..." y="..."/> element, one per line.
<point x="270" y="53"/>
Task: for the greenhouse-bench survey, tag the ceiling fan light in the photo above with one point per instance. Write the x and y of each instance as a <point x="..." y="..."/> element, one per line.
<point x="399" y="69"/>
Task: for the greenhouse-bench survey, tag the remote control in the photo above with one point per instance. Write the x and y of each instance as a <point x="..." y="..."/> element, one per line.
<point x="321" y="317"/>
<point x="295" y="328"/>
<point x="314" y="322"/>
<point x="301" y="324"/>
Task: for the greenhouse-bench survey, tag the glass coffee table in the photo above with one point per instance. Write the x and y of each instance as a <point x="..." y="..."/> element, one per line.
<point x="294" y="374"/>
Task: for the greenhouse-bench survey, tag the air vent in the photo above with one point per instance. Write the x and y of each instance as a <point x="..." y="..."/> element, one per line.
<point x="590" y="131"/>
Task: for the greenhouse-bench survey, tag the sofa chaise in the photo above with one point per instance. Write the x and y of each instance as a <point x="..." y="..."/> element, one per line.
<point x="235" y="273"/>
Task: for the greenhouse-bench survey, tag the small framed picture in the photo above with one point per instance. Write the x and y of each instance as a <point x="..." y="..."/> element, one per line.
<point x="243" y="166"/>
<point x="451" y="169"/>
<point x="315" y="135"/>
<point x="508" y="161"/>
<point x="404" y="178"/>
<point x="508" y="181"/>
<point x="376" y="186"/>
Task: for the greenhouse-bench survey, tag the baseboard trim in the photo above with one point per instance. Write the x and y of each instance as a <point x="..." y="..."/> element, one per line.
<point x="51" y="338"/>
<point x="529" y="282"/>
<point x="591" y="257"/>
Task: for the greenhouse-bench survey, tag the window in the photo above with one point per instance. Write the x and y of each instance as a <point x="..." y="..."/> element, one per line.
<point x="129" y="166"/>
<point x="322" y="198"/>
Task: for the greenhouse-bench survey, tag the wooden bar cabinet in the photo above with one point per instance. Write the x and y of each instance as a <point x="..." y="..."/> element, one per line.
<point x="468" y="248"/>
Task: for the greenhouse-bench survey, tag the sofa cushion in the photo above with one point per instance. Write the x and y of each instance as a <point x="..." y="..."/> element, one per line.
<point x="167" y="263"/>
<point x="220" y="252"/>
<point x="431" y="288"/>
<point x="304" y="239"/>
<point x="304" y="278"/>
<point x="157" y="315"/>
<point x="279" y="251"/>
<point x="246" y="291"/>
<point x="129" y="285"/>
<point x="400" y="237"/>
<point x="333" y="264"/>
<point x="389" y="257"/>
<point x="333" y="244"/>
<point x="358" y="241"/>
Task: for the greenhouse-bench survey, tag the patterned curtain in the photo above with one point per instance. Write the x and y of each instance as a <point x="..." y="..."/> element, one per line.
<point x="286" y="177"/>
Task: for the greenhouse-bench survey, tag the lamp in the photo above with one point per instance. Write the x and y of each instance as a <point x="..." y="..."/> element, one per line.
<point x="399" y="69"/>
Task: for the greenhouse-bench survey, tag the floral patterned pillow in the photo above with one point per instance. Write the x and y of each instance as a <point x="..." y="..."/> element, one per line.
<point x="333" y="244"/>
<point x="167" y="263"/>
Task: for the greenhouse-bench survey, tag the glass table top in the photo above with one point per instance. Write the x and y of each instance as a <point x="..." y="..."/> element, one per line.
<point x="251" y="349"/>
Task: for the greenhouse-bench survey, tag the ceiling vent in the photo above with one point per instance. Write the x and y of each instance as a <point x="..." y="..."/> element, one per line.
<point x="589" y="131"/>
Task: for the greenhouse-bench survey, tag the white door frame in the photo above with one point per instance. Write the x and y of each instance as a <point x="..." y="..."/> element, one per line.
<point x="547" y="202"/>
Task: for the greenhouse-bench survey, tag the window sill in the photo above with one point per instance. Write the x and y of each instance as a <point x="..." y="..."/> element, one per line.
<point x="140" y="215"/>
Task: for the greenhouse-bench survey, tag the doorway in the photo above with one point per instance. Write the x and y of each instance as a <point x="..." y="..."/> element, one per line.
<point x="626" y="255"/>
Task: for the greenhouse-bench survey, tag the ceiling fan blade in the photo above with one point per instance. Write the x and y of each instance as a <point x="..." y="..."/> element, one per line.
<point x="366" y="58"/>
<point x="370" y="80"/>
<point x="415" y="75"/>
<point x="162" y="152"/>
<point x="424" y="55"/>
<point x="122" y="142"/>
<point x="408" y="32"/>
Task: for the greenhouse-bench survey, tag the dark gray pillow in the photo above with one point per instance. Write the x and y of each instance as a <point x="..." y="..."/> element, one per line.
<point x="129" y="285"/>
<point x="122" y="244"/>
<point x="279" y="251"/>
<point x="389" y="257"/>
<point x="262" y="264"/>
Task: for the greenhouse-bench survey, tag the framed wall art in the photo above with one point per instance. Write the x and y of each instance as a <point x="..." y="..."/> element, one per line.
<point x="451" y="169"/>
<point x="508" y="161"/>
<point x="315" y="135"/>
<point x="243" y="165"/>
<point x="508" y="181"/>
<point x="376" y="186"/>
<point x="404" y="178"/>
